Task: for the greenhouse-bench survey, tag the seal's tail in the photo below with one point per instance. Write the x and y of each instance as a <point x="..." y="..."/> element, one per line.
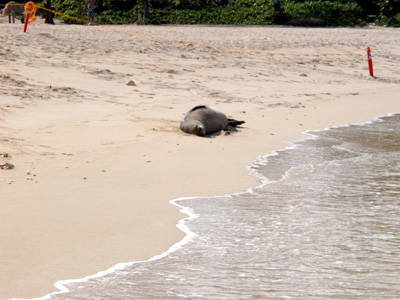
<point x="234" y="123"/>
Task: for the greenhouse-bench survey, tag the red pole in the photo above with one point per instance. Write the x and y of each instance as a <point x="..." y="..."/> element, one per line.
<point x="28" y="9"/>
<point x="371" y="69"/>
<point x="26" y="22"/>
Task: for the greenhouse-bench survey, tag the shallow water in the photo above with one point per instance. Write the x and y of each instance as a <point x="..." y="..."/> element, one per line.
<point x="325" y="224"/>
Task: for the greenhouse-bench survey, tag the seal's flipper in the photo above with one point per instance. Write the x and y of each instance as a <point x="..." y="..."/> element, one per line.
<point x="234" y="123"/>
<point x="230" y="129"/>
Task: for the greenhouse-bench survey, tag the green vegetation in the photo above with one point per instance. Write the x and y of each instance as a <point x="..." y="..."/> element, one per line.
<point x="238" y="12"/>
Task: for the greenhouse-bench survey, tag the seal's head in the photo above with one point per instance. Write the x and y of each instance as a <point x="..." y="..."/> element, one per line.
<point x="197" y="128"/>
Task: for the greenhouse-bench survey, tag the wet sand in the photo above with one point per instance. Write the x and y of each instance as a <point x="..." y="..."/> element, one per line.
<point x="89" y="118"/>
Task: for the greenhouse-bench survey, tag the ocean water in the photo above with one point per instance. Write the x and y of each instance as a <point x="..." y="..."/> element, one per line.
<point x="323" y="224"/>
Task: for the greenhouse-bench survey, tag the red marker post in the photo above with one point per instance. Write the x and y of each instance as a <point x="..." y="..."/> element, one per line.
<point x="371" y="68"/>
<point x="28" y="9"/>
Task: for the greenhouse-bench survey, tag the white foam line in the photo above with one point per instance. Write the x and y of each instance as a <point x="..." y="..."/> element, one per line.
<point x="61" y="285"/>
<point x="291" y="145"/>
<point x="260" y="160"/>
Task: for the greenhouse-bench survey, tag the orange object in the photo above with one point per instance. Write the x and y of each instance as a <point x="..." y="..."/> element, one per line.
<point x="30" y="10"/>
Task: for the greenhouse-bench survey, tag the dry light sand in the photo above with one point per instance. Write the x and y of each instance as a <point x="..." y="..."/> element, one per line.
<point x="89" y="118"/>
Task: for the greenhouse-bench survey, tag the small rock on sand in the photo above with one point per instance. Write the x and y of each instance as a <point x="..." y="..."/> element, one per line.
<point x="6" y="166"/>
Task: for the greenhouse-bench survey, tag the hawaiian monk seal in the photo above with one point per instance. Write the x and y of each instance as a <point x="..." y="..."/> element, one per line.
<point x="203" y="120"/>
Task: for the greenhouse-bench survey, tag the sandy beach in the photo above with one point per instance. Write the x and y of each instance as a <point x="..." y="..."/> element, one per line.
<point x="89" y="120"/>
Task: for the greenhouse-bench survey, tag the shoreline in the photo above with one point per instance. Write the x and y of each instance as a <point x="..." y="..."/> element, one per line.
<point x="109" y="157"/>
<point x="60" y="285"/>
